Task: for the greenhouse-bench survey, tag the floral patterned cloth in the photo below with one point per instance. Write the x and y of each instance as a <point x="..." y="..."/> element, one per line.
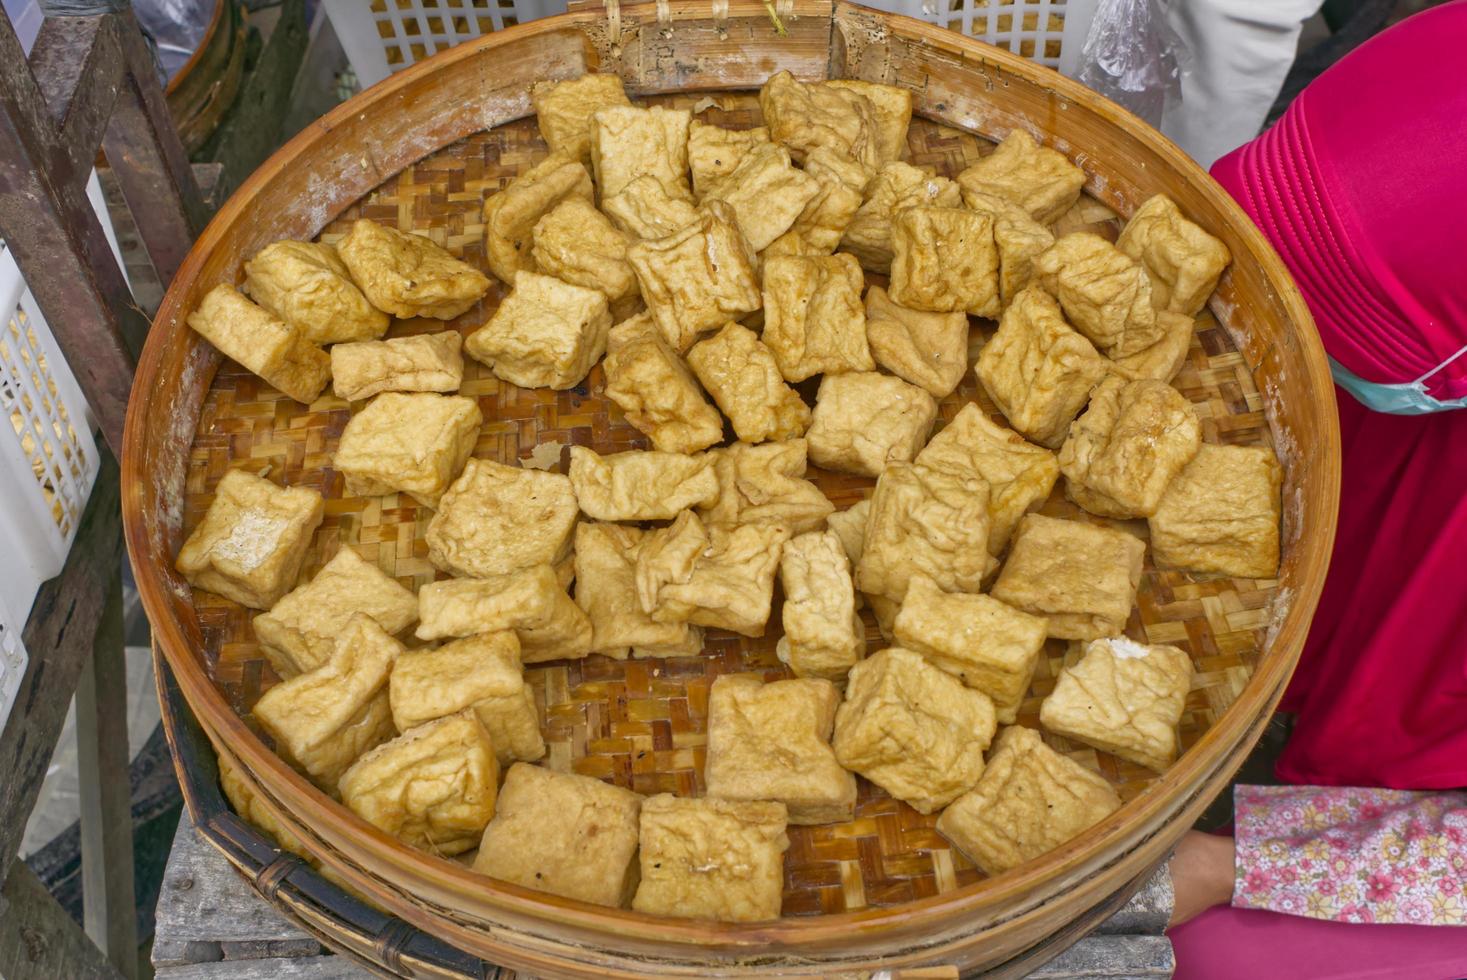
<point x="1352" y="855"/>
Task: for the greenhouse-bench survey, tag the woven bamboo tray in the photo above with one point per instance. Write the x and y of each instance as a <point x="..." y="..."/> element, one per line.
<point x="421" y="151"/>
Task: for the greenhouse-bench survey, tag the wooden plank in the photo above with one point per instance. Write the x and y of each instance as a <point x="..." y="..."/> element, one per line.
<point x="315" y="968"/>
<point x="109" y="911"/>
<point x="39" y="941"/>
<point x="77" y="64"/>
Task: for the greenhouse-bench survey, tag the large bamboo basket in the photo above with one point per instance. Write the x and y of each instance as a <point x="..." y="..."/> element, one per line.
<point x="421" y="150"/>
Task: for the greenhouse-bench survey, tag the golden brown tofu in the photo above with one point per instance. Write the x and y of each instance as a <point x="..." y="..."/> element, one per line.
<point x="711" y="859"/>
<point x="250" y="545"/>
<point x="628" y="142"/>
<point x="639" y="485"/>
<point x="498" y="519"/>
<point x="644" y="209"/>
<point x="944" y="261"/>
<point x="409" y="275"/>
<point x="263" y="344"/>
<point x="697" y="278"/>
<point x="1183" y="261"/>
<point x="1124" y="451"/>
<point x="577" y="244"/>
<point x="299" y="632"/>
<point x="896" y="187"/>
<point x="1037" y="370"/>
<point x="1019" y="239"/>
<point x="413" y="443"/>
<point x="481" y="672"/>
<point x="765" y="192"/>
<point x="818" y="229"/>
<point x="1163" y="359"/>
<point x="823" y="635"/>
<point x="715" y="152"/>
<point x="655" y="389"/>
<point x="925" y="520"/>
<point x="308" y="286"/>
<point x="564" y="110"/>
<point x="864" y="420"/>
<point x="1029" y="800"/>
<point x="805" y="116"/>
<point x="912" y="729"/>
<point x="772" y="742"/>
<point x="1019" y="474"/>
<point x="814" y="322"/>
<point x="1081" y="578"/>
<point x="545" y="334"/>
<point x="989" y="646"/>
<point x="1038" y="179"/>
<point x="425" y="362"/>
<point x="928" y="349"/>
<point x="850" y="526"/>
<point x="743" y="377"/>
<point x="1221" y="514"/>
<point x="322" y="721"/>
<point x="565" y="834"/>
<point x="606" y="590"/>
<point x="893" y="108"/>
<point x="510" y="215"/>
<point x="531" y="602"/>
<point x="432" y="788"/>
<point x="1104" y="294"/>
<point x="1123" y="697"/>
<point x="718" y="576"/>
<point x="765" y="484"/>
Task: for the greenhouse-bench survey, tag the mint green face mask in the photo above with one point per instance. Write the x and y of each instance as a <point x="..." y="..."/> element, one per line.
<point x="1401" y="399"/>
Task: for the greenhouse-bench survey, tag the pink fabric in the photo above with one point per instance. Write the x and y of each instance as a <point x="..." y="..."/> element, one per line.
<point x="1360" y="187"/>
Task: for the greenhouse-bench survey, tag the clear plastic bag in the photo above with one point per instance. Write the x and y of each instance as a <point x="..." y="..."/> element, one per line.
<point x="1133" y="57"/>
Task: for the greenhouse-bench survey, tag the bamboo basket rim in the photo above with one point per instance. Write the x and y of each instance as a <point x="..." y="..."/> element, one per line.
<point x="1169" y="791"/>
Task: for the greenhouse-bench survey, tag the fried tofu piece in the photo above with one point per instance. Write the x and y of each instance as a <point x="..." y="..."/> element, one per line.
<point x="606" y="591"/>
<point x="818" y="229"/>
<point x="989" y="646"/>
<point x="655" y="389"/>
<point x="1163" y="359"/>
<point x="644" y="209"/>
<point x="813" y="318"/>
<point x="823" y="635"/>
<point x="564" y="110"/>
<point x="765" y="192"/>
<point x="1105" y="294"/>
<point x="413" y="443"/>
<point x="885" y="612"/>
<point x="1036" y="178"/>
<point x="252" y="541"/>
<point x="718" y="576"/>
<point x="896" y="187"/>
<point x="424" y="362"/>
<point x="944" y="260"/>
<point x="640" y="486"/>
<point x="577" y="244"/>
<point x="715" y="152"/>
<point x="1124" y="451"/>
<point x="864" y="420"/>
<point x="545" y="334"/>
<point x="928" y="521"/>
<point x="850" y="526"/>
<point x="772" y="742"/>
<point x="1183" y="261"/>
<point x="928" y="349"/>
<point x="1029" y="800"/>
<point x="510" y="215"/>
<point x="1037" y="370"/>
<point x="1221" y="514"/>
<point x="432" y="787"/>
<point x="481" y="672"/>
<point x="264" y="344"/>
<point x="1018" y="237"/>
<point x="712" y="859"/>
<point x="1081" y="578"/>
<point x="531" y="602"/>
<point x="299" y="632"/>
<point x="806" y="116"/>
<point x="1019" y="474"/>
<point x="697" y="278"/>
<point x="893" y="107"/>
<point x="912" y="729"/>
<point x="743" y="377"/>
<point x="322" y="721"/>
<point x="1123" y="697"/>
<point x="765" y="484"/>
<point x="498" y="519"/>
<point x="628" y="142"/>
<point x="308" y="286"/>
<point x="565" y="834"/>
<point x="409" y="275"/>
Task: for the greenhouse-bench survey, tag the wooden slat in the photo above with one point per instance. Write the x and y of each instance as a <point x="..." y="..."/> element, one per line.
<point x="77" y="63"/>
<point x="39" y="941"/>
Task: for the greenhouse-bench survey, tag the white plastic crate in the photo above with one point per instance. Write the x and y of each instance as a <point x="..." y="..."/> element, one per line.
<point x="1051" y="32"/>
